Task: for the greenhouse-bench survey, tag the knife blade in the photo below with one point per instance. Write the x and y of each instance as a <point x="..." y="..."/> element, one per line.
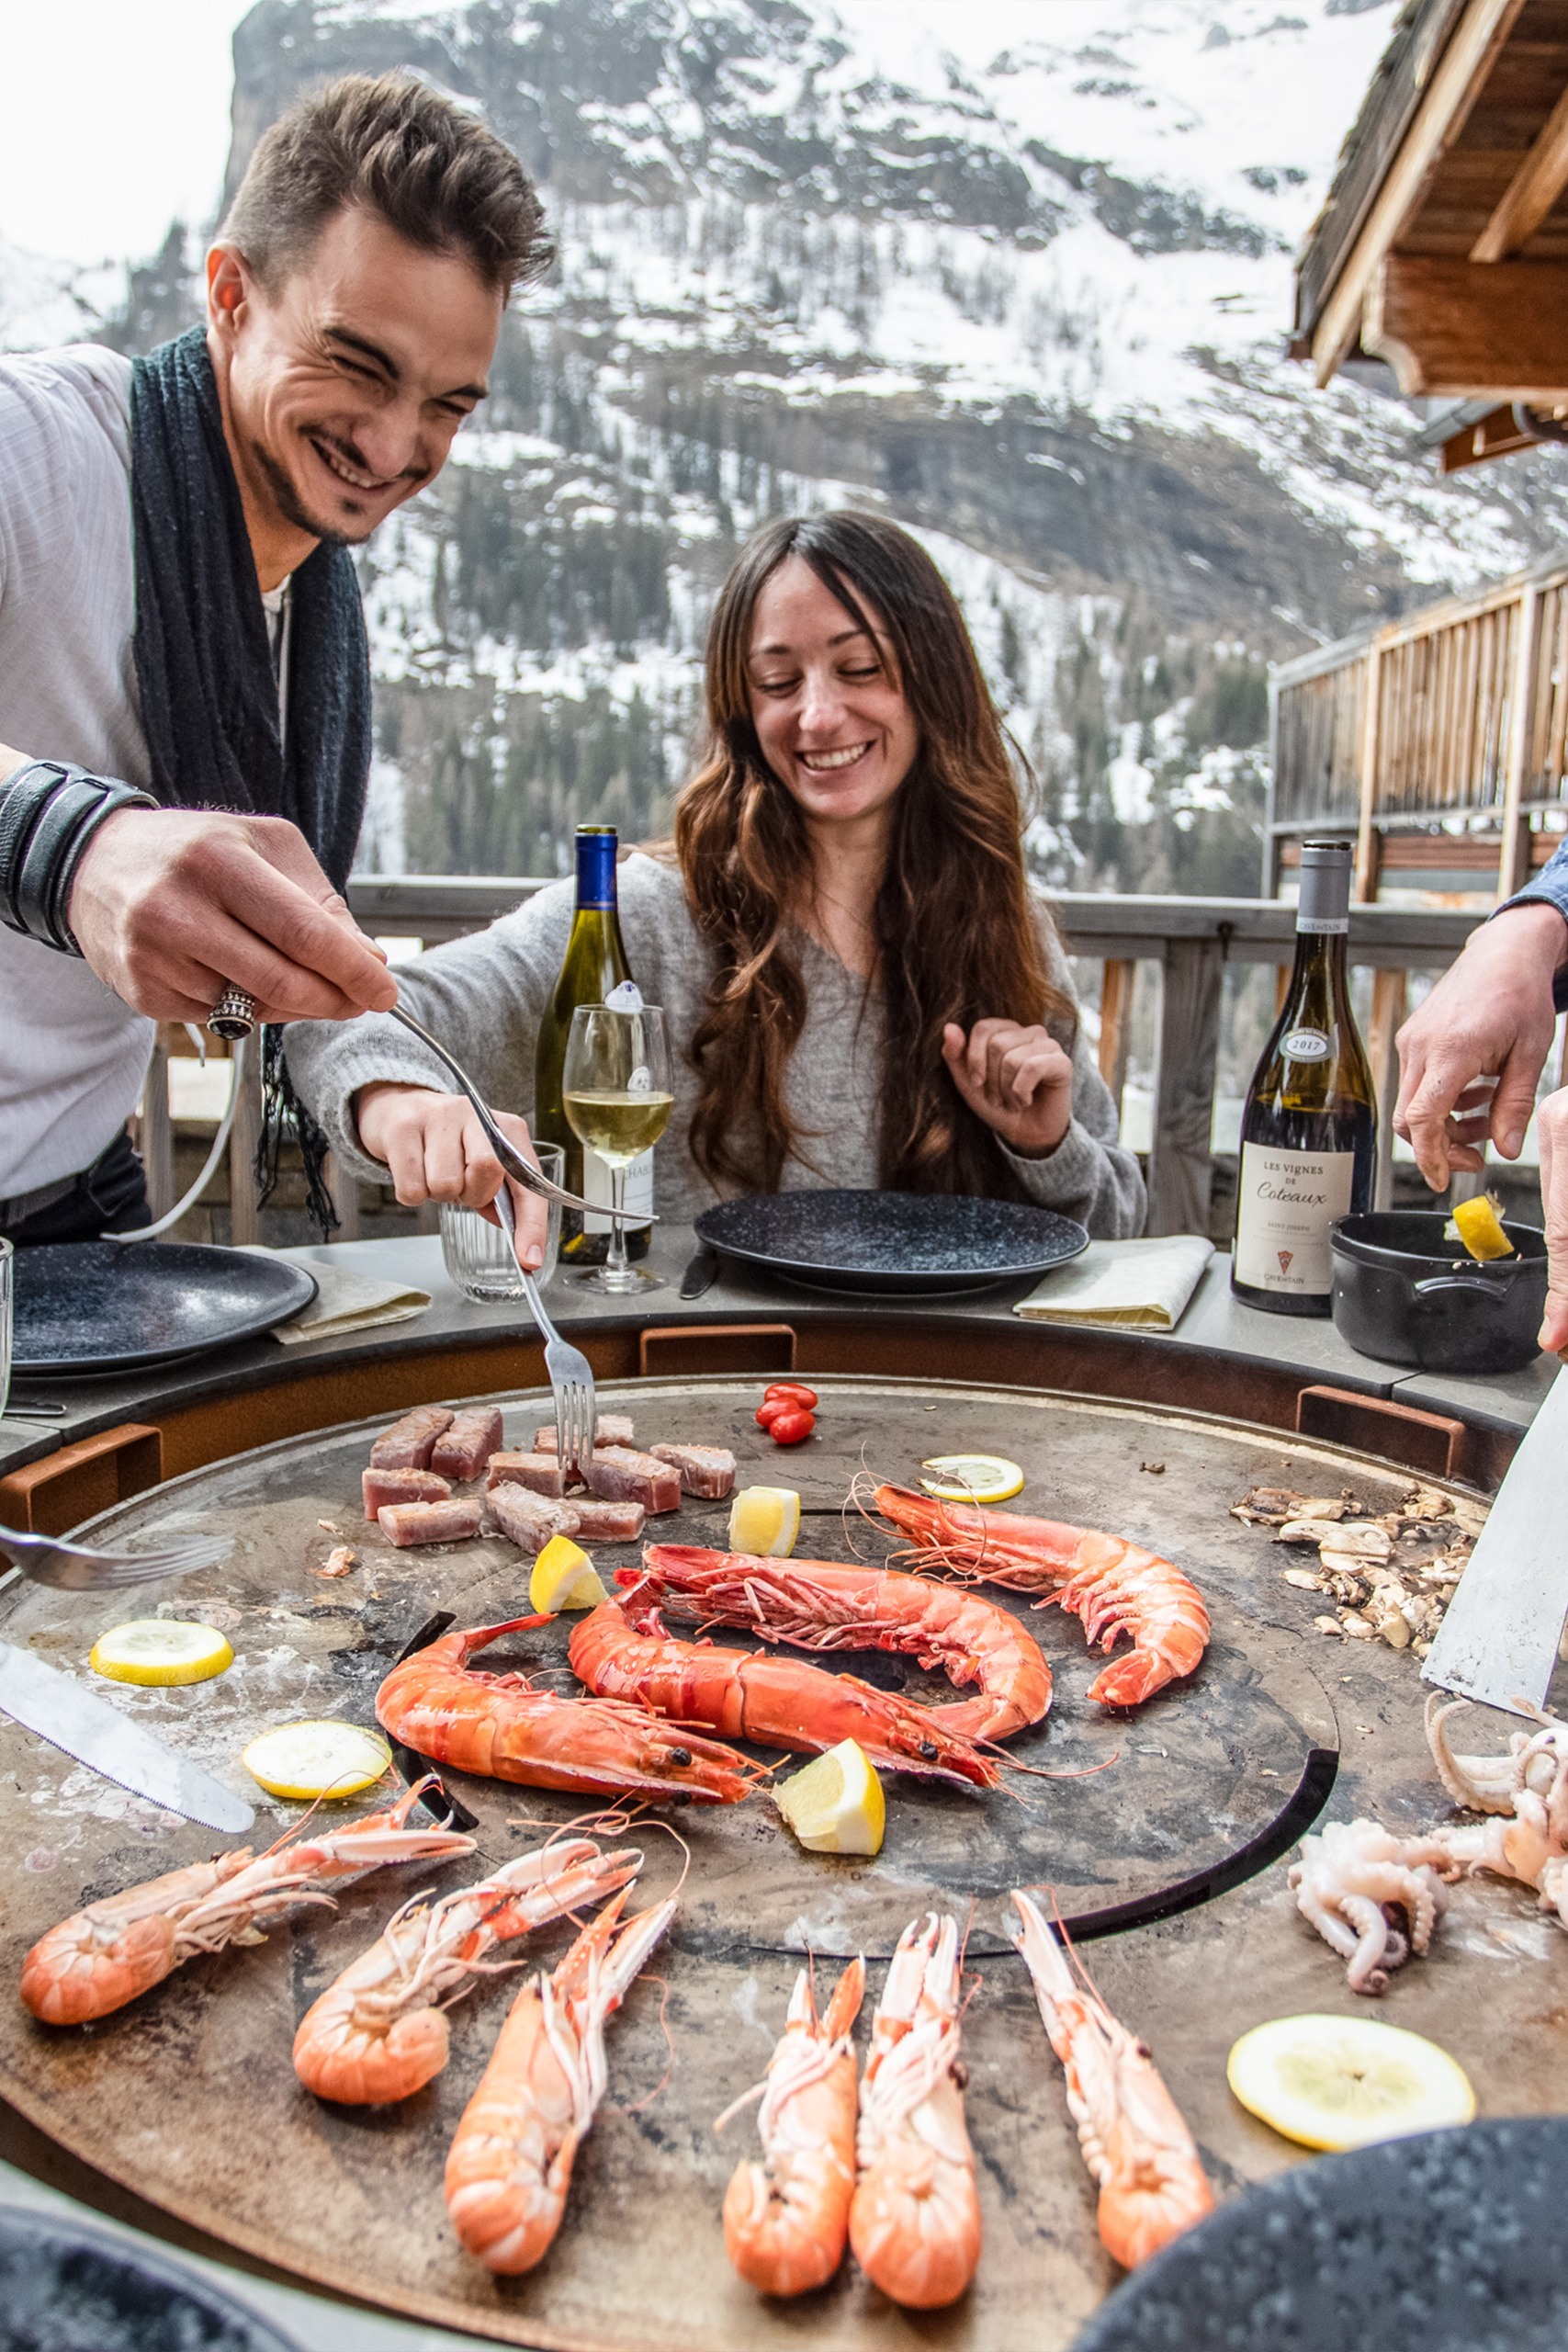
<point x="48" y="1703"/>
<point x="1498" y="1641"/>
<point x="700" y="1272"/>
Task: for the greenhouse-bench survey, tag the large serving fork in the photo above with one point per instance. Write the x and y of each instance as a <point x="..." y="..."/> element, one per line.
<point x="80" y="1567"/>
<point x="571" y="1374"/>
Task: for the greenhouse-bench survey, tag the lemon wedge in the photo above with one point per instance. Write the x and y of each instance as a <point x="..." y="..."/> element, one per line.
<point x="765" y="1521"/>
<point x="159" y="1649"/>
<point x="835" y="1805"/>
<point x="564" y="1578"/>
<point x="1479" y="1226"/>
<point x="322" y="1760"/>
<point x="971" y="1477"/>
<point x="1344" y="2082"/>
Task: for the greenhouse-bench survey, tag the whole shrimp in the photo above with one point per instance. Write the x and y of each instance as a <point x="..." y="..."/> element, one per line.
<point x="104" y="1956"/>
<point x="621" y="1650"/>
<point x="1351" y="1875"/>
<point x="1111" y="1586"/>
<point x="380" y="2032"/>
<point x="823" y="1605"/>
<point x="915" y="2217"/>
<point x="509" y="2166"/>
<point x="786" y="2220"/>
<point x="505" y="1727"/>
<point x="1151" y="2185"/>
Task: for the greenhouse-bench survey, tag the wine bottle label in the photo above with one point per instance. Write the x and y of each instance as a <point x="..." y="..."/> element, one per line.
<point x="596" y="1187"/>
<point x="1319" y="924"/>
<point x="1287" y="1202"/>
<point x="1305" y="1045"/>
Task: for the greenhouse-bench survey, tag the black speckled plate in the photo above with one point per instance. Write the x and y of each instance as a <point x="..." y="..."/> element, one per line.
<point x="84" y="1307"/>
<point x="891" y="1245"/>
<point x="68" y="2286"/>
<point x="1450" y="2242"/>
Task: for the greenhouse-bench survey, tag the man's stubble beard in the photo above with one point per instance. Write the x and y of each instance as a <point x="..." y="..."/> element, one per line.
<point x="293" y="510"/>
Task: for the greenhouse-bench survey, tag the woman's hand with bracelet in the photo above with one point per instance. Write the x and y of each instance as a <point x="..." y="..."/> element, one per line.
<point x="436" y="1150"/>
<point x="1018" y="1079"/>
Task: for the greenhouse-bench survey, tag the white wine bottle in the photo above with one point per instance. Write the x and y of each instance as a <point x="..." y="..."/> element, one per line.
<point x="1309" y="1124"/>
<point x="594" y="963"/>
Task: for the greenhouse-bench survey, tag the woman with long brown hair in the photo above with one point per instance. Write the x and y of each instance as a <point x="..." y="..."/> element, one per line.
<point x="861" y="984"/>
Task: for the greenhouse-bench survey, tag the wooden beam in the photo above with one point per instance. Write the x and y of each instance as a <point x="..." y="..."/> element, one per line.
<point x="1366" y="869"/>
<point x="1389" y="990"/>
<point x="1452" y="91"/>
<point x="1496" y="434"/>
<point x="1118" y="976"/>
<point x="1181" y="1164"/>
<point x="1530" y="194"/>
<point x="1513" y="862"/>
<point x="1453" y="330"/>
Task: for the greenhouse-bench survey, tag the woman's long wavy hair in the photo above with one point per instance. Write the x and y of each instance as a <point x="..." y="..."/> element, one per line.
<point x="957" y="935"/>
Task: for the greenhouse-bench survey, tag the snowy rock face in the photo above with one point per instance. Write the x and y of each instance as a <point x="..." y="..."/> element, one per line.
<point x="1017" y="272"/>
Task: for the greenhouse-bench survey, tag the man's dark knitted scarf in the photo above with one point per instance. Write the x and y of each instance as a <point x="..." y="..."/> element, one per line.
<point x="204" y="666"/>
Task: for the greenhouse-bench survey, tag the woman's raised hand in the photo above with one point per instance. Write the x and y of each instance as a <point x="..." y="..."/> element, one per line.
<point x="1018" y="1080"/>
<point x="436" y="1150"/>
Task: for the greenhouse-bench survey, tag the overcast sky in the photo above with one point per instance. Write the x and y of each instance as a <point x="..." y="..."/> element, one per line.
<point x="117" y="119"/>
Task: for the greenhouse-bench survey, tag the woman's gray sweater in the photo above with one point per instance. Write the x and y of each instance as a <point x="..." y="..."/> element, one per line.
<point x="484" y="997"/>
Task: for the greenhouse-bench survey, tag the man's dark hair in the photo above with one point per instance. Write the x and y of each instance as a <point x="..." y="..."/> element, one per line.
<point x="393" y="146"/>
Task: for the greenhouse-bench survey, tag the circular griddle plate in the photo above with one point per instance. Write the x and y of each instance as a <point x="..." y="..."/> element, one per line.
<point x="892" y="1245"/>
<point x="176" y="2092"/>
<point x="67" y="2287"/>
<point x="107" y="1307"/>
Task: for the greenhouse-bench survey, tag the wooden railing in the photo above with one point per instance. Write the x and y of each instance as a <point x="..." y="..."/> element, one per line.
<point x="1189" y="940"/>
<point x="1456" y="717"/>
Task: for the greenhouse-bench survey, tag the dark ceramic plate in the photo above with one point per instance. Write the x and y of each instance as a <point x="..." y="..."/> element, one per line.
<point x="1451" y="2242"/>
<point x="891" y="1245"/>
<point x="68" y="2287"/>
<point x="104" y="1306"/>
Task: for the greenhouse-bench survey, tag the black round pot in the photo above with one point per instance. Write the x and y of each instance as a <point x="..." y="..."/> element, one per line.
<point x="1404" y="1295"/>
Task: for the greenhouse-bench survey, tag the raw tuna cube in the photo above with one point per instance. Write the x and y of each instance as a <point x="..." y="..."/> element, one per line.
<point x="380" y="1486"/>
<point x="408" y="1443"/>
<point x="607" y="1522"/>
<point x="529" y="1520"/>
<point x="706" y="1470"/>
<point x="448" y="1522"/>
<point x="617" y="1475"/>
<point x="463" y="1449"/>
<point x="610" y="1429"/>
<point x="540" y="1472"/>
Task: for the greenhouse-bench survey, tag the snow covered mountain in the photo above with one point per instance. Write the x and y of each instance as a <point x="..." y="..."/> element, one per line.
<point x="1016" y="271"/>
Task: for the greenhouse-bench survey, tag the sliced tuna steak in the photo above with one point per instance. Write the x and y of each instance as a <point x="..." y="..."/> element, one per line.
<point x="610" y="1429"/>
<point x="380" y="1486"/>
<point x="449" y="1522"/>
<point x="462" y="1451"/>
<point x="529" y="1520"/>
<point x="706" y="1470"/>
<point x="540" y="1472"/>
<point x="408" y="1443"/>
<point x="617" y="1475"/>
<point x="600" y="1523"/>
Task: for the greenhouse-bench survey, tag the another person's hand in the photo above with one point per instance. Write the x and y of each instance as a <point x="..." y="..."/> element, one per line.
<point x="1551" y="1129"/>
<point x="1490" y="1016"/>
<point x="1018" y="1080"/>
<point x="436" y="1150"/>
<point x="172" y="906"/>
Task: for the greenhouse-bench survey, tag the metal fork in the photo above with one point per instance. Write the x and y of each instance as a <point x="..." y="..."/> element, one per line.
<point x="80" y="1568"/>
<point x="571" y="1374"/>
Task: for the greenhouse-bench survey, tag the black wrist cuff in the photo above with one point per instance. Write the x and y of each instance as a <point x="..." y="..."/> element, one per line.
<point x="48" y="812"/>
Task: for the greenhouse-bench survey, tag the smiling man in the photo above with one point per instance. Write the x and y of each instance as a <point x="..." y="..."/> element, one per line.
<point x="184" y="673"/>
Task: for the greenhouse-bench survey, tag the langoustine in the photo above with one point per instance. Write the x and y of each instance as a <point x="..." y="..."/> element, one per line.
<point x="915" y="2216"/>
<point x="379" y="2032"/>
<point x="786" y="2220"/>
<point x="1111" y="1586"/>
<point x="1135" y="2140"/>
<point x="504" y="1727"/>
<point x="1352" y="1876"/>
<point x="509" y="2167"/>
<point x="823" y="1605"/>
<point x="122" y="1945"/>
<point x="622" y="1650"/>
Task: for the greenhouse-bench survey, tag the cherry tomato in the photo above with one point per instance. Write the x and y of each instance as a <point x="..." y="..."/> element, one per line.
<point x="771" y="1407"/>
<point x="795" y="1392"/>
<point x="792" y="1427"/>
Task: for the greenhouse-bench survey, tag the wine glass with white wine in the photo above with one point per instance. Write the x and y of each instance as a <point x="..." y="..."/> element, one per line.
<point x="616" y="1094"/>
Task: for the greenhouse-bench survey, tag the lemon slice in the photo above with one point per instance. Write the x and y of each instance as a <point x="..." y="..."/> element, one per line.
<point x="1480" y="1228"/>
<point x="1344" y="2082"/>
<point x="324" y="1759"/>
<point x="765" y="1521"/>
<point x="564" y="1578"/>
<point x="159" y="1649"/>
<point x="971" y="1477"/>
<point x="835" y="1805"/>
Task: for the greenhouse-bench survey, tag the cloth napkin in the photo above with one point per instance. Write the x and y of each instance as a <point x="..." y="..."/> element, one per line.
<point x="345" y="1302"/>
<point x="1140" y="1285"/>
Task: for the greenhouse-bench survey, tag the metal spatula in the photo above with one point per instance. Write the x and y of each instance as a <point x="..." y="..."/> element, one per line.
<point x="1499" y="1642"/>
